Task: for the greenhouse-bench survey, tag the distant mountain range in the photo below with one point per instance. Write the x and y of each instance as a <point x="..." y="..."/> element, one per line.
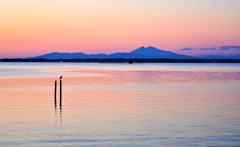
<point x="142" y="52"/>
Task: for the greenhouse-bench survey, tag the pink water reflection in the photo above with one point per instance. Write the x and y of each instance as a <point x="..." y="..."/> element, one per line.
<point x="113" y="106"/>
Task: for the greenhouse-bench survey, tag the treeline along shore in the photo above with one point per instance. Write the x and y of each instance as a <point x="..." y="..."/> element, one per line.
<point x="123" y="60"/>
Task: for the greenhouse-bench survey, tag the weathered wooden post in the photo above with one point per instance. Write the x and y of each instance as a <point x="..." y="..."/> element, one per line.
<point x="60" y="91"/>
<point x="55" y="93"/>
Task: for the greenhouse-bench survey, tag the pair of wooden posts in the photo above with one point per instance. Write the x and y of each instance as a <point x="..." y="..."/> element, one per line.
<point x="55" y="92"/>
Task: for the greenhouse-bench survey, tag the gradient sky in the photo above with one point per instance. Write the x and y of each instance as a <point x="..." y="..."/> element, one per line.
<point x="33" y="27"/>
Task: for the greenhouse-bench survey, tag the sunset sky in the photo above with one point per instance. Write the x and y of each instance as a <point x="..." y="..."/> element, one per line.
<point x="33" y="27"/>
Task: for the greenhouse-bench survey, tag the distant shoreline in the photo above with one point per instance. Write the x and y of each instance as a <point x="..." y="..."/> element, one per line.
<point x="123" y="60"/>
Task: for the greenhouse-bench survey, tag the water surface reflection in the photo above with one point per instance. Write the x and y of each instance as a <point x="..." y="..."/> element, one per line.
<point x="119" y="105"/>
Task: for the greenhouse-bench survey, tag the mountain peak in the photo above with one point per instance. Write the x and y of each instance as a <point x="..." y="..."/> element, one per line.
<point x="154" y="52"/>
<point x="149" y="47"/>
<point x="150" y="51"/>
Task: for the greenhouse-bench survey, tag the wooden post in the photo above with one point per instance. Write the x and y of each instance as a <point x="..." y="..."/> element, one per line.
<point x="60" y="92"/>
<point x="55" y="93"/>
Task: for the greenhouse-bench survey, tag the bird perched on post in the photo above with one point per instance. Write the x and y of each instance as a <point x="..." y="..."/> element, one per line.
<point x="60" y="78"/>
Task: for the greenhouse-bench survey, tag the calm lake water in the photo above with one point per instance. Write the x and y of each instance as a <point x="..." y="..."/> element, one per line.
<point x="120" y="105"/>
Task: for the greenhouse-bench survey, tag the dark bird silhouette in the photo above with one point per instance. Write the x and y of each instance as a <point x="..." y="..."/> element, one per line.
<point x="60" y="78"/>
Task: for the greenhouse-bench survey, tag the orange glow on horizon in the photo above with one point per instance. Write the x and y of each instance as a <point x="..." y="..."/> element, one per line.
<point x="32" y="28"/>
